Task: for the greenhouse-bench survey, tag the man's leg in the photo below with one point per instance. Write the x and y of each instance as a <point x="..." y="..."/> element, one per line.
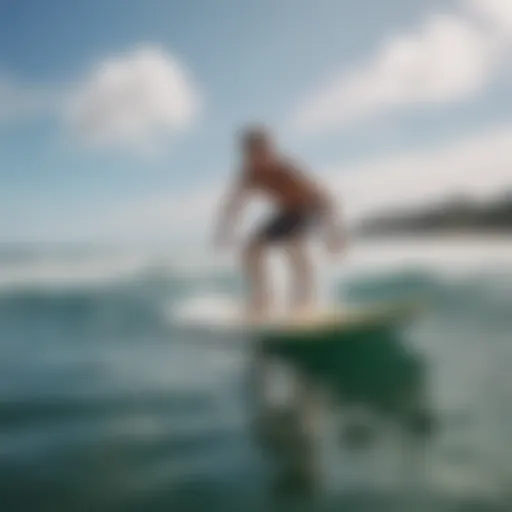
<point x="303" y="286"/>
<point x="256" y="278"/>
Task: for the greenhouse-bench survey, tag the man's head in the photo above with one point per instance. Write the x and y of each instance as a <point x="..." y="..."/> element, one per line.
<point x="257" y="146"/>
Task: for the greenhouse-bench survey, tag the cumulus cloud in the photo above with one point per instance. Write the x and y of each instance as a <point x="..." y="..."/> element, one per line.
<point x="133" y="99"/>
<point x="498" y="13"/>
<point x="449" y="58"/>
<point x="129" y="100"/>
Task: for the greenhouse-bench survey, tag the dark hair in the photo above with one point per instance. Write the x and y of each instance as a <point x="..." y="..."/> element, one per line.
<point x="254" y="135"/>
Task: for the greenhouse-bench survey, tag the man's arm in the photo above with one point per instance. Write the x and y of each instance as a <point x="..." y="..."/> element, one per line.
<point x="230" y="210"/>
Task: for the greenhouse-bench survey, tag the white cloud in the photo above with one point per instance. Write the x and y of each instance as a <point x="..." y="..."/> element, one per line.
<point x="133" y="99"/>
<point x="498" y="13"/>
<point x="449" y="58"/>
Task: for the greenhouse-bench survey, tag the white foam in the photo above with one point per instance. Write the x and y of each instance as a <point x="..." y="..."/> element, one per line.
<point x="444" y="256"/>
<point x="207" y="309"/>
<point x="64" y="273"/>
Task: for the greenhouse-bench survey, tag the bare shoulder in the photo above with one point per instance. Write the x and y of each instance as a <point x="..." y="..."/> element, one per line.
<point x="296" y="169"/>
<point x="292" y="166"/>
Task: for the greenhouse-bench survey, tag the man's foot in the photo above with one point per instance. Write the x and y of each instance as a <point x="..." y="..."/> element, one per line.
<point x="255" y="318"/>
<point x="303" y="315"/>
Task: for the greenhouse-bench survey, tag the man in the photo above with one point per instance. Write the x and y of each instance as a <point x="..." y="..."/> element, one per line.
<point x="301" y="206"/>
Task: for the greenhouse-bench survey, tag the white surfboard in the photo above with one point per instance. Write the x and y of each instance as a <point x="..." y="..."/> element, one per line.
<point x="223" y="314"/>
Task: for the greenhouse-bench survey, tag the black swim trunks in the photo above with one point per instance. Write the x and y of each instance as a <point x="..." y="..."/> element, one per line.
<point x="287" y="224"/>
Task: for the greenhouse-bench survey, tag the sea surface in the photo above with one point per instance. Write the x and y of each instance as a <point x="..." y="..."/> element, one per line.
<point x="109" y="402"/>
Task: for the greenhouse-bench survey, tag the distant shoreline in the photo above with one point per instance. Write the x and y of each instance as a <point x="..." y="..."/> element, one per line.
<point x="435" y="235"/>
<point x="459" y="215"/>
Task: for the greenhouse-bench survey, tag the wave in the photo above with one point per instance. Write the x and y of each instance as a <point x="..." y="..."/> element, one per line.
<point x="47" y="271"/>
<point x="84" y="270"/>
<point x="59" y="273"/>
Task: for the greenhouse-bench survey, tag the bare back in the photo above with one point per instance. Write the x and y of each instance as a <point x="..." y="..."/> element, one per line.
<point x="284" y="184"/>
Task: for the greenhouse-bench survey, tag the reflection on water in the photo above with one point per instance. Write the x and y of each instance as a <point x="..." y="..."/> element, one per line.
<point x="105" y="405"/>
<point x="364" y="371"/>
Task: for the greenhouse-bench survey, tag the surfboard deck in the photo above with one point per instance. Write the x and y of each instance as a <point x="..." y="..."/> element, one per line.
<point x="340" y="320"/>
<point x="323" y="326"/>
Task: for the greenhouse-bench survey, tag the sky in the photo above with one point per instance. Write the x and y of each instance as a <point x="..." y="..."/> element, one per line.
<point x="118" y="118"/>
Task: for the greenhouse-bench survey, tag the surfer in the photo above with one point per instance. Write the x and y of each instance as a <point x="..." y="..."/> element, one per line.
<point x="302" y="206"/>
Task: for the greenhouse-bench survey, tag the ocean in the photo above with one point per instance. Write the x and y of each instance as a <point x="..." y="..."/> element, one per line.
<point x="110" y="402"/>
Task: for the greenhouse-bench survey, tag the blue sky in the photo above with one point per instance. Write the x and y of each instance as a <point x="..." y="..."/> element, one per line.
<point x="354" y="89"/>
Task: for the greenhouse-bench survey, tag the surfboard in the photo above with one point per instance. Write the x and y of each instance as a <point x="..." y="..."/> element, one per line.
<point x="339" y="319"/>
